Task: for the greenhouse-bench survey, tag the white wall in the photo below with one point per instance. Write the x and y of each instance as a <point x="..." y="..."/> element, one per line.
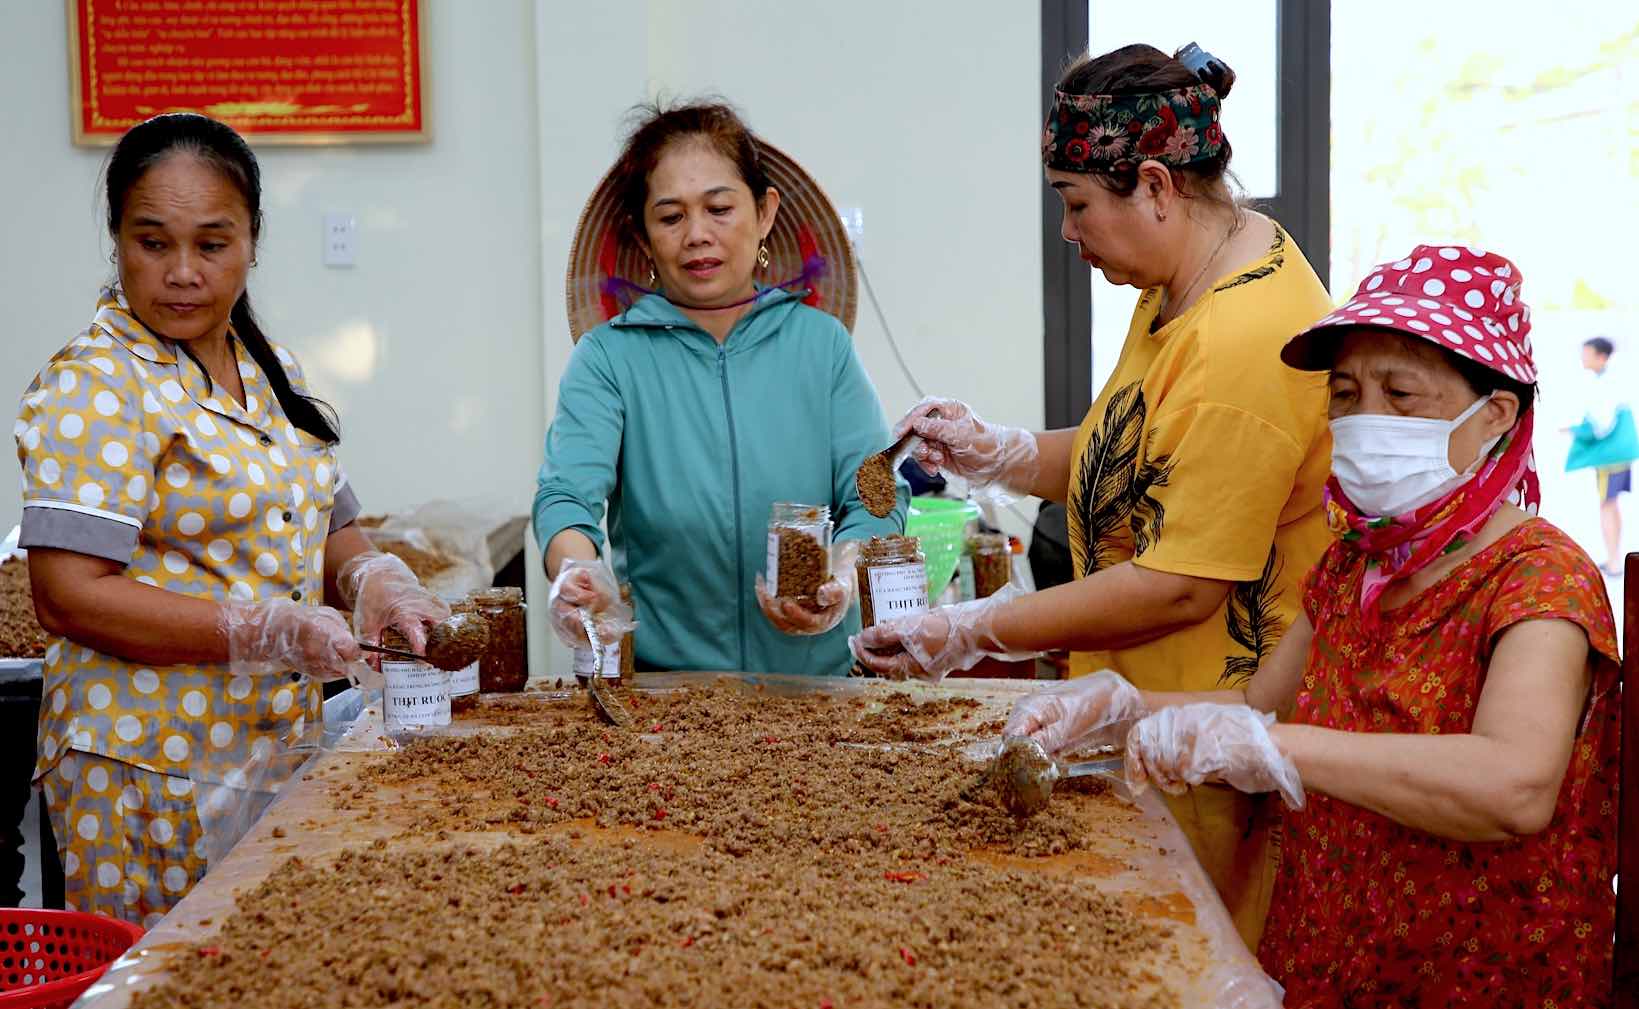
<point x="442" y="347"/>
<point x="928" y="118"/>
<point x="429" y="346"/>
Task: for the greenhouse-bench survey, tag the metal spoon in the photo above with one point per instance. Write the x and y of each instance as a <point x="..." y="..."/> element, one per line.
<point x="887" y="455"/>
<point x="608" y="707"/>
<point x="393" y="652"/>
<point x="1023" y="775"/>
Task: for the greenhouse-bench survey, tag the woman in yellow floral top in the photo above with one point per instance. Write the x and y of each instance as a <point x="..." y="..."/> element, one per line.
<point x="186" y="519"/>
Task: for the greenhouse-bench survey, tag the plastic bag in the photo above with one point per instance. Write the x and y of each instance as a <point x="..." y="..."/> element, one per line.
<point x="445" y="543"/>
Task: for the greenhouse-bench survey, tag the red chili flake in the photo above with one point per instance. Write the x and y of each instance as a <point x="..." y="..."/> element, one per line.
<point x="654" y="786"/>
<point x="516" y="888"/>
<point x="903" y="877"/>
<point x="771" y="740"/>
<point x="604" y="758"/>
<point x="825" y="1003"/>
<point x="210" y="951"/>
<point x="626" y="888"/>
<point x="611" y="889"/>
<point x="551" y="802"/>
<point x="658" y="728"/>
<point x="584" y="900"/>
<point x="881" y="828"/>
<point x="907" y="956"/>
<point x="687" y="942"/>
<point x="660" y="814"/>
<point x="265" y="953"/>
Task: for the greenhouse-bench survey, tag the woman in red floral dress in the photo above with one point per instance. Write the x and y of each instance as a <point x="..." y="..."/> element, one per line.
<point x="1448" y="701"/>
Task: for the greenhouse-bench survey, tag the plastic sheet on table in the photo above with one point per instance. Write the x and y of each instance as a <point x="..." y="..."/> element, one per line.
<point x="1224" y="973"/>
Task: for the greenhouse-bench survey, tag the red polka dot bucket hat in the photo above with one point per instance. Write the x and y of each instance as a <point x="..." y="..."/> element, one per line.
<point x="1460" y="298"/>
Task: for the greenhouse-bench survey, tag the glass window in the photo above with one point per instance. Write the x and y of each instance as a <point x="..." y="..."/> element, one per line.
<point x="1246" y="37"/>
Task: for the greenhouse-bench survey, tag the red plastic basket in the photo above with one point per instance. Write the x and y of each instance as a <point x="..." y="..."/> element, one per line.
<point x="47" y="958"/>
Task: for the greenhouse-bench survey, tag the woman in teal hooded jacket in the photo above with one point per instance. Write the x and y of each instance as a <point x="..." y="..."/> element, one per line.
<point x="695" y="410"/>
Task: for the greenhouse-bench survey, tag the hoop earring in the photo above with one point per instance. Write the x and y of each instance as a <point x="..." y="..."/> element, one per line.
<point x="762" y="256"/>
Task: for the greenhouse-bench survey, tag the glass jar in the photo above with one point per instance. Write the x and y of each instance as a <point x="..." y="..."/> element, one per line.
<point x="415" y="696"/>
<point x="505" y="665"/>
<point x="992" y="559"/>
<point x="799" y="550"/>
<point x="464" y="682"/>
<point x="893" y="578"/>
<point x="628" y="643"/>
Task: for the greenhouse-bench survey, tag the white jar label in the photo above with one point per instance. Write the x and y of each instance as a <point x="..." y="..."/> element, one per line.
<point x="464" y="682"/>
<point x="584" y="667"/>
<point x="415" y="696"/>
<point x="816" y="530"/>
<point x="899" y="590"/>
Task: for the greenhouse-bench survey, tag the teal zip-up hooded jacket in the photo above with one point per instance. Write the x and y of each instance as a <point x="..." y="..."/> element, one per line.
<point x="690" y="443"/>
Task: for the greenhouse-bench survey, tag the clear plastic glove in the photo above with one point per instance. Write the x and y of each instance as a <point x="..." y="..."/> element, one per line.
<point x="960" y="442"/>
<point x="1194" y="743"/>
<point x="280" y="635"/>
<point x="383" y="592"/>
<point x="1095" y="710"/>
<point x="932" y="645"/>
<point x="831" y="602"/>
<point x="587" y="585"/>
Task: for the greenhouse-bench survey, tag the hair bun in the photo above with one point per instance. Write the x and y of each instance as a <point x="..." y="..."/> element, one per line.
<point x="1208" y="68"/>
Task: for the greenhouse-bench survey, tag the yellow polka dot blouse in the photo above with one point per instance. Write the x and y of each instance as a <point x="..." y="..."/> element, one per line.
<point x="128" y="453"/>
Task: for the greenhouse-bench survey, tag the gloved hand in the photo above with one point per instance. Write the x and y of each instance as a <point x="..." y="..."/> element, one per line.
<point x="832" y="598"/>
<point x="932" y="645"/>
<point x="1093" y="710"/>
<point x="590" y="586"/>
<point x="280" y="635"/>
<point x="1193" y="743"/>
<point x="960" y="442"/>
<point x="383" y="592"/>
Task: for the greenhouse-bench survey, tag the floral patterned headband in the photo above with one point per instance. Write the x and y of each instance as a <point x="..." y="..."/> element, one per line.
<point x="1101" y="133"/>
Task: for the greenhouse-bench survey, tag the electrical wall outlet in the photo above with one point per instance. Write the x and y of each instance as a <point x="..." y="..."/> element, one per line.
<point x="340" y="239"/>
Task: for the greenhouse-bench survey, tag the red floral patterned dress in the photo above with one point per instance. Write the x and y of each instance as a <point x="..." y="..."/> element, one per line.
<point x="1367" y="912"/>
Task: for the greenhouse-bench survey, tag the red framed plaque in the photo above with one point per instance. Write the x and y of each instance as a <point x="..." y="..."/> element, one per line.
<point x="279" y="71"/>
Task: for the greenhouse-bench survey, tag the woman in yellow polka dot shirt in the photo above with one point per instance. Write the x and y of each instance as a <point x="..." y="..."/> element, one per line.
<point x="186" y="521"/>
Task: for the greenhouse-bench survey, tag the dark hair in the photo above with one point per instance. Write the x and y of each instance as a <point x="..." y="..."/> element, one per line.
<point x="1484" y="381"/>
<point x="216" y="144"/>
<point x="656" y="126"/>
<point x="1601" y="346"/>
<point x="1142" y="69"/>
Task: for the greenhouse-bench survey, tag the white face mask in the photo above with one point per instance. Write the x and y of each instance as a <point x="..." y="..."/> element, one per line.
<point x="1391" y="465"/>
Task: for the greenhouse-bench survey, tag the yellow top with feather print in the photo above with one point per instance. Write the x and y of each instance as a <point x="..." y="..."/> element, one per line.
<point x="1205" y="455"/>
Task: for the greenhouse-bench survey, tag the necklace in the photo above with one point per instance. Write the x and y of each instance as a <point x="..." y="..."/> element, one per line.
<point x="1198" y="275"/>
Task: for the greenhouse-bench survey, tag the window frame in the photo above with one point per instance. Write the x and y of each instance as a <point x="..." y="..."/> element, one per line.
<point x="1302" y="205"/>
